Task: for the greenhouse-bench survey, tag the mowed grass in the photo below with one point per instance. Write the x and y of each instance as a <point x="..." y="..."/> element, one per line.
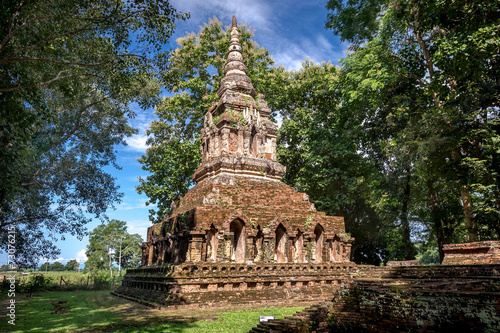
<point x="98" y="311"/>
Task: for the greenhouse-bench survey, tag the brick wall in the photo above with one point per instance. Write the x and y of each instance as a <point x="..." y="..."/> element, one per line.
<point x="201" y="284"/>
<point x="486" y="252"/>
<point x="261" y="209"/>
<point x="405" y="299"/>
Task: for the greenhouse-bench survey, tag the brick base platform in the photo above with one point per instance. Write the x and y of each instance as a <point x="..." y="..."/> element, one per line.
<point x="194" y="285"/>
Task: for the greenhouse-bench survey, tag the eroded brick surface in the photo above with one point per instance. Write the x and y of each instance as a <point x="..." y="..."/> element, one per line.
<point x="486" y="252"/>
<point x="405" y="299"/>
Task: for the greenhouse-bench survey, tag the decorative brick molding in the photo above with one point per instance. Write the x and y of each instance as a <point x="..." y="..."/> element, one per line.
<point x="193" y="285"/>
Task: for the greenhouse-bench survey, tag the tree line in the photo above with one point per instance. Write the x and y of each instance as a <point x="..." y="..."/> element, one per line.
<point x="71" y="266"/>
<point x="402" y="139"/>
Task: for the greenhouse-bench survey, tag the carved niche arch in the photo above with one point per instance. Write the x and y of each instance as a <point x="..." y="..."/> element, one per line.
<point x="212" y="244"/>
<point x="336" y="250"/>
<point x="237" y="228"/>
<point x="318" y="249"/>
<point x="280" y="244"/>
<point x="298" y="256"/>
<point x="258" y="243"/>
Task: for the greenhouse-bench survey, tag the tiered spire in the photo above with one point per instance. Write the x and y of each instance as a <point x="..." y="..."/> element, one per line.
<point x="235" y="70"/>
<point x="238" y="138"/>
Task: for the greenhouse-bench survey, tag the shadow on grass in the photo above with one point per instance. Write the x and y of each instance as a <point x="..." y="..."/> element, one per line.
<point x="88" y="311"/>
<point x="98" y="311"/>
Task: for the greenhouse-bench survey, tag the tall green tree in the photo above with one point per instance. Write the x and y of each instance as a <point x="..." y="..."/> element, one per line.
<point x="56" y="267"/>
<point x="193" y="75"/>
<point x="44" y="267"/>
<point x="111" y="244"/>
<point x="72" y="265"/>
<point x="319" y="143"/>
<point x="423" y="76"/>
<point x="69" y="71"/>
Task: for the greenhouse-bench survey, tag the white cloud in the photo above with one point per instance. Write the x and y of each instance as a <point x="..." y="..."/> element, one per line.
<point x="257" y="13"/>
<point x="81" y="256"/>
<point x="292" y="55"/>
<point x="139" y="227"/>
<point x="137" y="142"/>
<point x="138" y="204"/>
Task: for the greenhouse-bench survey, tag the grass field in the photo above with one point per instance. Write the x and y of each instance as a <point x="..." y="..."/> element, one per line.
<point x="98" y="311"/>
<point x="69" y="281"/>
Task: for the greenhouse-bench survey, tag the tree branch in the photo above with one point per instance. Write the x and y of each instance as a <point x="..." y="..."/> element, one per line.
<point x="57" y="78"/>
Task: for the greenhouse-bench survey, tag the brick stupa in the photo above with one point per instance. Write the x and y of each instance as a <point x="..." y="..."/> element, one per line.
<point x="239" y="211"/>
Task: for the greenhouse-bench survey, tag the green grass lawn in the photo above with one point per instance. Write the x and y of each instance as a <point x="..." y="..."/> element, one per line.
<point x="98" y="311"/>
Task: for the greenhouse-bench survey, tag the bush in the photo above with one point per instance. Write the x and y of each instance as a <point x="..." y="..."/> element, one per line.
<point x="68" y="281"/>
<point x="34" y="282"/>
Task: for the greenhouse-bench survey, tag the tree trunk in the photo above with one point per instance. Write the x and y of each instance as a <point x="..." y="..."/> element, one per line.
<point x="469" y="218"/>
<point x="436" y="219"/>
<point x="405" y="224"/>
<point x="120" y="259"/>
<point x="110" y="263"/>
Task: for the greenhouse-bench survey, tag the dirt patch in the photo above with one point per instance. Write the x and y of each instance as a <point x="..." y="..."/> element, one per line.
<point x="60" y="307"/>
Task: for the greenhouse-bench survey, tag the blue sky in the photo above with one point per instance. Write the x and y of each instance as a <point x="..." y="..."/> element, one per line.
<point x="291" y="30"/>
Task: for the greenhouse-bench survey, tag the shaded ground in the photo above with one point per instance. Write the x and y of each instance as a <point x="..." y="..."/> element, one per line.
<point x="5" y="302"/>
<point x="101" y="312"/>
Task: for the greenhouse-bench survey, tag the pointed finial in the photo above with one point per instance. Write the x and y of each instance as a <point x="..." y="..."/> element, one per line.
<point x="234" y="25"/>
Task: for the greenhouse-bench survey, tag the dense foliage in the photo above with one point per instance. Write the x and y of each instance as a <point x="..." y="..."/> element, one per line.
<point x="422" y="86"/>
<point x="111" y="244"/>
<point x="69" y="71"/>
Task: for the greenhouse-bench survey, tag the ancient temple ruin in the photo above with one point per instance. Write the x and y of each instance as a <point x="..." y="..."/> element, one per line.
<point x="240" y="210"/>
<point x="240" y="235"/>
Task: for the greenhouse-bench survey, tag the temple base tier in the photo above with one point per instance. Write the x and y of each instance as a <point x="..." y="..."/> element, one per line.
<point x="195" y="285"/>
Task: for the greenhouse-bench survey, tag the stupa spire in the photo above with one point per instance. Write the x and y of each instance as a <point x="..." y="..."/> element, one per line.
<point x="238" y="139"/>
<point x="235" y="71"/>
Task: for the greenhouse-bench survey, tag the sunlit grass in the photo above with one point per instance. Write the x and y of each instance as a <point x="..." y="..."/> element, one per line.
<point x="230" y="322"/>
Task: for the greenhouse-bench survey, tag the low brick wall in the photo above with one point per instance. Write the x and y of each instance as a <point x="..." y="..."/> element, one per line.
<point x="476" y="253"/>
<point x="405" y="299"/>
<point x="369" y="306"/>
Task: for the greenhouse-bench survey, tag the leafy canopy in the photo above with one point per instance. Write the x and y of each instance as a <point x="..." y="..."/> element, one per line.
<point x="111" y="244"/>
<point x="69" y="71"/>
<point x="422" y="81"/>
